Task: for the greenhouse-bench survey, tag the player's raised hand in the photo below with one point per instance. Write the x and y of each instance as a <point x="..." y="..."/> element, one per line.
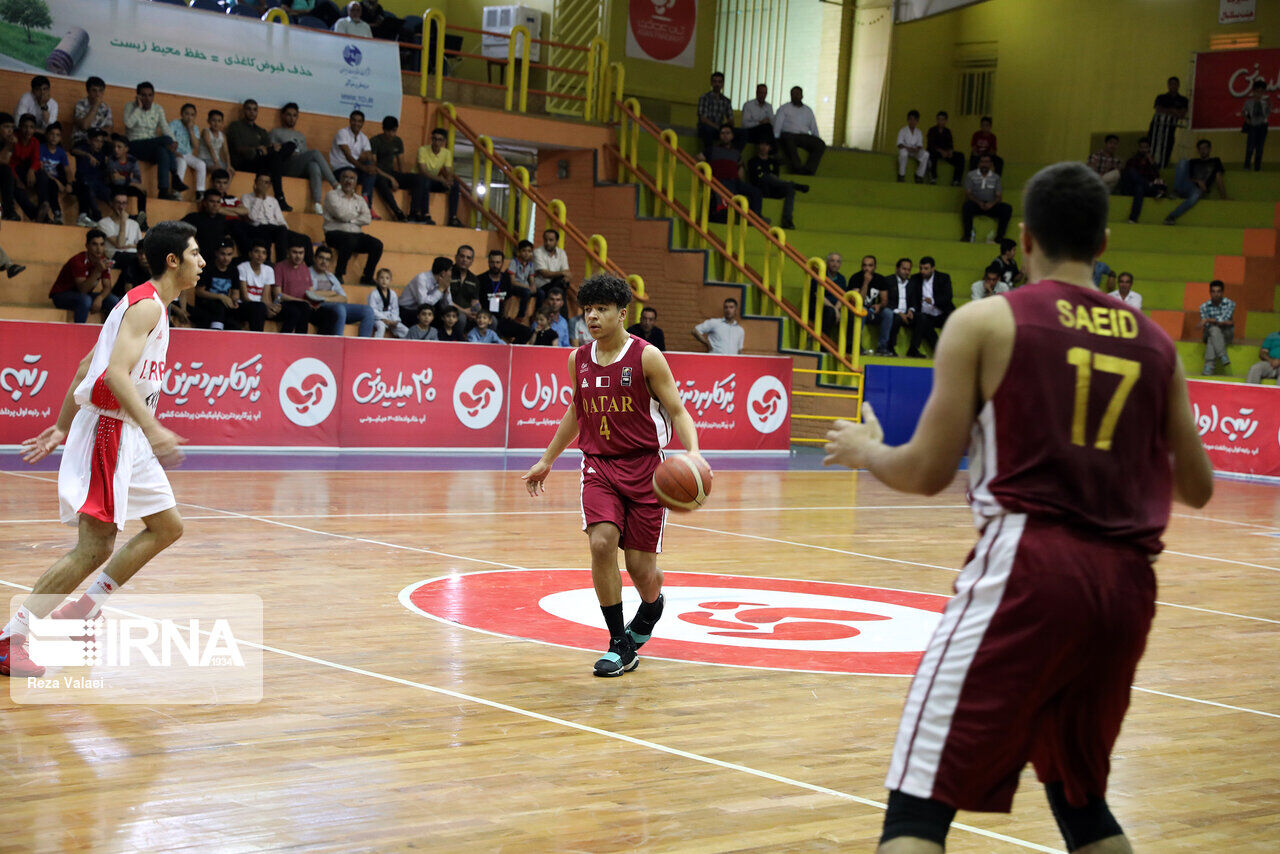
<point x="534" y="479"/>
<point x="37" y="448"/>
<point x="849" y="442"/>
<point x="167" y="447"/>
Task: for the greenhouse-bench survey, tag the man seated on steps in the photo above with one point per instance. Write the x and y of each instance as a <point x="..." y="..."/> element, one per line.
<point x="1217" y="317"/>
<point x="795" y="127"/>
<point x="725" y="159"/>
<point x="1125" y="292"/>
<point x="911" y="146"/>
<point x="941" y="147"/>
<point x="304" y="162"/>
<point x="984" y="196"/>
<point x="989" y="285"/>
<point x="1193" y="178"/>
<point x="1268" y="365"/>
<point x="929" y="297"/>
<point x="435" y="165"/>
<point x="762" y="172"/>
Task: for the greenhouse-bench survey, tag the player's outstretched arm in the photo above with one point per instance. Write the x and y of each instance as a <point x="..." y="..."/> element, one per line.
<point x="139" y="319"/>
<point x="1192" y="471"/>
<point x="662" y="385"/>
<point x="37" y="448"/>
<point x="535" y="478"/>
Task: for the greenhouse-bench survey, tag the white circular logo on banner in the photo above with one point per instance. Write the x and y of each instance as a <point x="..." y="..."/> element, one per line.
<point x="477" y="396"/>
<point x="308" y="392"/>
<point x="767" y="404"/>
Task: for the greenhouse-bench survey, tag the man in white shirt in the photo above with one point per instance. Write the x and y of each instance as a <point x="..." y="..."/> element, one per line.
<point x="795" y="127"/>
<point x="757" y="116"/>
<point x="351" y="149"/>
<point x="123" y="234"/>
<point x="38" y="103"/>
<point x="989" y="285"/>
<point x="723" y="335"/>
<point x="353" y="24"/>
<point x="1124" y="291"/>
<point x="911" y="145"/>
<point x="427" y="288"/>
<point x="550" y="263"/>
<point x="893" y="292"/>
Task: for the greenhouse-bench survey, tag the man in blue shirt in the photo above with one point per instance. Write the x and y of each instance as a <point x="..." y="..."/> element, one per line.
<point x="553" y="305"/>
<point x="1268" y="368"/>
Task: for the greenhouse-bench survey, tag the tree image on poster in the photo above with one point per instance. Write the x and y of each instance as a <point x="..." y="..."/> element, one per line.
<point x="26" y="14"/>
<point x="662" y="30"/>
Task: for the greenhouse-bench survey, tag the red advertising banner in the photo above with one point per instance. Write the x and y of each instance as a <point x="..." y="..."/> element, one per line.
<point x="663" y="30"/>
<point x="1239" y="425"/>
<point x="1222" y="84"/>
<point x="251" y="389"/>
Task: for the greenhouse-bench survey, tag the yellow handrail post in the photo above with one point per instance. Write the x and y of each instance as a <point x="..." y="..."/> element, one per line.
<point x="637" y="288"/>
<point x="779" y="235"/>
<point x="634" y="146"/>
<point x="518" y="203"/>
<point x="597" y="244"/>
<point x="509" y="76"/>
<point x="482" y="187"/>
<point x="434" y="18"/>
<point x="665" y="174"/>
<point x="842" y="333"/>
<point x="597" y="56"/>
<point x="737" y="248"/>
<point x="700" y="200"/>
<point x="451" y="111"/>
<point x="817" y="266"/>
<point x="556" y="210"/>
<point x="276" y="16"/>
<point x="613" y="95"/>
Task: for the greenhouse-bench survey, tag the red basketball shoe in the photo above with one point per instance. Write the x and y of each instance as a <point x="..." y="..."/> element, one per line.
<point x="14" y="660"/>
<point x="78" y="610"/>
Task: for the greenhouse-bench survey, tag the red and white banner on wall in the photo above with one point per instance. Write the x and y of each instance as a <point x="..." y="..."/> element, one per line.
<point x="1239" y="425"/>
<point x="663" y="31"/>
<point x="228" y="389"/>
<point x="1223" y="82"/>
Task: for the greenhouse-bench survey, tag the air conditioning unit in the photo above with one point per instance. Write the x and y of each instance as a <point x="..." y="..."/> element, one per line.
<point x="501" y="19"/>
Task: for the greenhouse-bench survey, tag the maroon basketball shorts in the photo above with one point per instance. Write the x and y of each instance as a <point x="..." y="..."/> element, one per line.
<point x="1032" y="661"/>
<point x="620" y="490"/>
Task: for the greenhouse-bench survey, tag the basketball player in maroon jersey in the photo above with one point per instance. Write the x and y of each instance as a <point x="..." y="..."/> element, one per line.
<point x="111" y="468"/>
<point x="1081" y="435"/>
<point x="625" y="406"/>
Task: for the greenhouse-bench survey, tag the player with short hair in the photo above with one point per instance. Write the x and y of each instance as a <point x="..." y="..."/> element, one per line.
<point x="625" y="406"/>
<point x="112" y="468"/>
<point x="1082" y="435"/>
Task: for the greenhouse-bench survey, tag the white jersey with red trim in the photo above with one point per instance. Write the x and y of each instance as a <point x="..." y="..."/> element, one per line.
<point x="148" y="374"/>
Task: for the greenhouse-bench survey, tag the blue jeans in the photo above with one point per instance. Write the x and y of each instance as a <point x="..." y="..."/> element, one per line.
<point x="80" y="304"/>
<point x="883" y="318"/>
<point x="332" y="317"/>
<point x="155" y="150"/>
<point x="1183" y="187"/>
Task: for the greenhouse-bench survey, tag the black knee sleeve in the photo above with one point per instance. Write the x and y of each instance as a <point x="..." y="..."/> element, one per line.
<point x="920" y="818"/>
<point x="1084" y="825"/>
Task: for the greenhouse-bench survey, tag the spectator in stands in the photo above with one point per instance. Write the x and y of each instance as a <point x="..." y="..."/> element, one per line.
<point x="385" y="307"/>
<point x="929" y="298"/>
<point x="210" y="224"/>
<point x="233" y="210"/>
<point x="1268" y="365"/>
<point x="91" y="112"/>
<point x="725" y="159"/>
<point x="56" y="166"/>
<point x="423" y="330"/>
<point x="6" y="264"/>
<point x="388" y="156"/>
<point x="7" y="183"/>
<point x="29" y="178"/>
<point x="1125" y="292"/>
<point x="1007" y="263"/>
<point x="1193" y="177"/>
<point x="895" y="312"/>
<point x="352" y="150"/>
<point x="1217" y="317"/>
<point x="1105" y="163"/>
<point x="762" y="172"/>
<point x="218" y="288"/>
<point x="551" y="266"/>
<point x="648" y="328"/>
<point x="353" y="24"/>
<point x="83" y="285"/>
<point x="259" y="297"/>
<point x="384" y="24"/>
<point x="553" y="306"/>
<point x="304" y="162"/>
<point x="794" y="127"/>
<point x="122" y="233"/>
<point x="213" y="148"/>
<point x="868" y="284"/>
<point x="187" y="136"/>
<point x="940" y="146"/>
<point x="450" y="329"/>
<point x="523" y="267"/>
<point x="148" y="133"/>
<point x="543" y="334"/>
<point x="579" y="332"/>
<point x="723" y="335"/>
<point x="983" y="142"/>
<point x="38" y="103"/>
<point x="989" y="285"/>
<point x="1256" y="112"/>
<point x="1141" y="178"/>
<point x="1102" y="270"/>
<point x="427" y="288"/>
<point x="911" y="145"/>
<point x="481" y="333"/>
<point x="435" y="164"/>
<point x="714" y="111"/>
<point x="983" y="196"/>
<point x="332" y="311"/>
<point x="1171" y="108"/>
<point x="91" y="184"/>
<point x="267" y="222"/>
<point x="345" y="215"/>
<point x="830" y="317"/>
<point x="494" y="285"/>
<point x="252" y="150"/>
<point x="757" y="116"/>
<point x="464" y="286"/>
<point x="293" y="280"/>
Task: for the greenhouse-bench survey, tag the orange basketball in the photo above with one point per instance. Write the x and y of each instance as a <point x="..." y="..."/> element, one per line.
<point x="682" y="482"/>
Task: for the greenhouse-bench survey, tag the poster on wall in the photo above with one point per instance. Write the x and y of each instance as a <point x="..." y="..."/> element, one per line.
<point x="914" y="10"/>
<point x="1237" y="11"/>
<point x="203" y="54"/>
<point x="1223" y="82"/>
<point x="663" y="31"/>
<point x="1239" y="425"/>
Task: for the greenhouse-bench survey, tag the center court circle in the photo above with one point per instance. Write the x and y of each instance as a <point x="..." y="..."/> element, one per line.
<point x="733" y="620"/>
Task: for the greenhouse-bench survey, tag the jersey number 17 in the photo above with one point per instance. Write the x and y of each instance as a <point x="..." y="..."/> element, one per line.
<point x="1086" y="362"/>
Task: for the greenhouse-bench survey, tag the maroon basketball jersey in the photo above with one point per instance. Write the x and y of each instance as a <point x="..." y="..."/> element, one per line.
<point x="616" y="414"/>
<point x="1075" y="433"/>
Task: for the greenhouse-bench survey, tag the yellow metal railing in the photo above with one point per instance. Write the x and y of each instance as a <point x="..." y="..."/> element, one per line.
<point x="517" y="31"/>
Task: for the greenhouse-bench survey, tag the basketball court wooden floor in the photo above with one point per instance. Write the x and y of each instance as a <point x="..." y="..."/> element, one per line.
<point x="382" y="729"/>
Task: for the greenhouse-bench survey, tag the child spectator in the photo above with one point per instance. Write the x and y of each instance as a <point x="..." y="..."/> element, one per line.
<point x="186" y="136"/>
<point x="91" y="185"/>
<point x="91" y="112"/>
<point x="449" y="328"/>
<point x="386" y="307"/>
<point x="423" y="330"/>
<point x="55" y="163"/>
<point x="217" y="289"/>
<point x="258" y="295"/>
<point x="482" y="334"/>
<point x="124" y="176"/>
<point x="983" y="142"/>
<point x="213" y="145"/>
<point x="543" y="334"/>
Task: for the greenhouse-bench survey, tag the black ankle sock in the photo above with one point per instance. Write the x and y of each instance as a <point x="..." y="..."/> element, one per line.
<point x="646" y="616"/>
<point x="613" y="619"/>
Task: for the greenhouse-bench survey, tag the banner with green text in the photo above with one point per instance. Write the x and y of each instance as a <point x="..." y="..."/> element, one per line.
<point x="204" y="54"/>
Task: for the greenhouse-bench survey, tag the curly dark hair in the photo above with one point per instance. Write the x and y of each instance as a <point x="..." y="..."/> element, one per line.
<point x="604" y="289"/>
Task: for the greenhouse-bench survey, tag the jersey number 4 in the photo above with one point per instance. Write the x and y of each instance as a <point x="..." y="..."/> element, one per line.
<point x="1086" y="362"/>
<point x="604" y="427"/>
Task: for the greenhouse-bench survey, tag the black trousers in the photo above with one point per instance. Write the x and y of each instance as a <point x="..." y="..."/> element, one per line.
<point x="925" y="328"/>
<point x="210" y="311"/>
<point x="271" y="163"/>
<point x="348" y="243"/>
<point x="956" y="160"/>
<point x="253" y="315"/>
<point x="295" y="316"/>
<point x="1000" y="212"/>
<point x="809" y="143"/>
